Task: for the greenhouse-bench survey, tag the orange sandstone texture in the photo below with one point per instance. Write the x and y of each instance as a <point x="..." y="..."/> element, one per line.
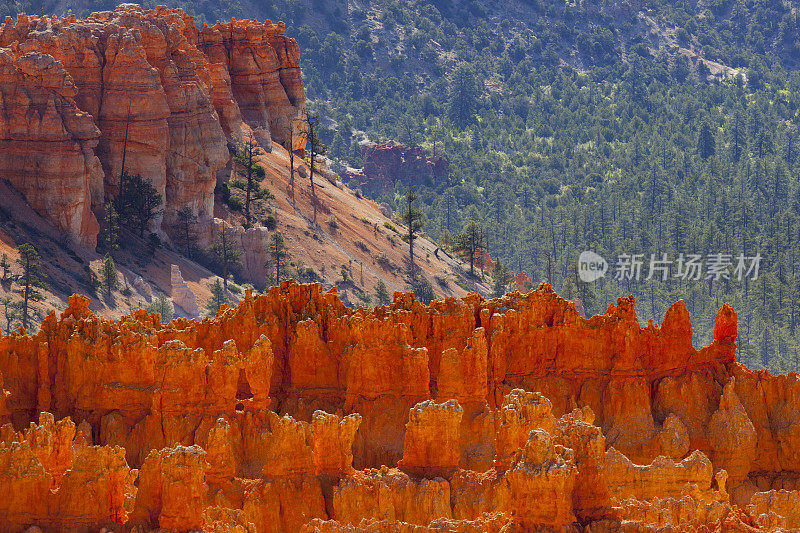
<point x="292" y="412"/>
<point x="79" y="97"/>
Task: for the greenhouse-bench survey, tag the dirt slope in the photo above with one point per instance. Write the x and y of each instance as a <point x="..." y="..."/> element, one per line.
<point x="360" y="238"/>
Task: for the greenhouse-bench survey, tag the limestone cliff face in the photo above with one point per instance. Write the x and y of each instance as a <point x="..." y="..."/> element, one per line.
<point x="79" y="97"/>
<point x="292" y="412"/>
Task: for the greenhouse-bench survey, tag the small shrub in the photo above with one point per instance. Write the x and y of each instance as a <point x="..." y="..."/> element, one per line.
<point x="383" y="261"/>
<point x="270" y="223"/>
<point x="235" y="203"/>
<point x="358" y="193"/>
<point x="264" y="194"/>
<point x="238" y="183"/>
<point x="361" y="246"/>
<point x="333" y="223"/>
<point x="388" y="225"/>
<point x="364" y="297"/>
<point x="442" y="281"/>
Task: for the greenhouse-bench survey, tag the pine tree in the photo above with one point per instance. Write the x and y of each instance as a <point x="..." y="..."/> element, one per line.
<point x="218" y="297"/>
<point x="422" y="289"/>
<point x="412" y="218"/>
<point x="279" y="256"/>
<point x="32" y="276"/>
<point x="502" y="278"/>
<point x="766" y="347"/>
<point x="108" y="276"/>
<point x="737" y="136"/>
<point x="463" y="95"/>
<point x="315" y="147"/>
<point x="5" y="264"/>
<point x="109" y="230"/>
<point x="225" y="254"/>
<point x="138" y="202"/>
<point x="9" y="313"/>
<point x="163" y="306"/>
<point x="407" y="129"/>
<point x="382" y="294"/>
<point x="706" y="146"/>
<point x="471" y="243"/>
<point x="185" y="233"/>
<point x="245" y="154"/>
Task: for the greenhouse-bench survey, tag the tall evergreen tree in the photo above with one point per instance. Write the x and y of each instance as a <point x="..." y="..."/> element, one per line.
<point x="185" y="230"/>
<point x="32" y="276"/>
<point x="502" y="278"/>
<point x="471" y="243"/>
<point x="219" y="296"/>
<point x="225" y="254"/>
<point x="706" y="145"/>
<point x="138" y="202"/>
<point x="109" y="229"/>
<point x="279" y="256"/>
<point x="109" y="279"/>
<point x="382" y="294"/>
<point x="245" y="154"/>
<point x="412" y="218"/>
<point x="463" y="95"/>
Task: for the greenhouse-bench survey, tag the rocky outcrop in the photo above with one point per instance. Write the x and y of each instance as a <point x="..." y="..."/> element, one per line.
<point x="388" y="163"/>
<point x="143" y="89"/>
<point x="263" y="67"/>
<point x="776" y="508"/>
<point x="47" y="144"/>
<point x="182" y="295"/>
<point x="49" y="480"/>
<point x="291" y="412"/>
<point x="431" y="446"/>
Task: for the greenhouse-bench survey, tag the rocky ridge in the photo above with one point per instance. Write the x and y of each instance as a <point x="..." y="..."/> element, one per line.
<point x="292" y="412"/>
<point x="147" y="87"/>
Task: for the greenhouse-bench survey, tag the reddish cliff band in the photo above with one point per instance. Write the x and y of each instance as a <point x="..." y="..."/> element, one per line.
<point x="292" y="412"/>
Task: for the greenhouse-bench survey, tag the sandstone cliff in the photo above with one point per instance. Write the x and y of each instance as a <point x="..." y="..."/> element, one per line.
<point x="79" y="97"/>
<point x="292" y="412"/>
<point x="388" y="163"/>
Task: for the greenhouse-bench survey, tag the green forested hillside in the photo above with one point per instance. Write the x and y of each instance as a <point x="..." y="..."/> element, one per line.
<point x="645" y="127"/>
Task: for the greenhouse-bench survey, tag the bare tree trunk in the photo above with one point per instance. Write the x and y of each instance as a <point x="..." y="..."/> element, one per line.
<point x="27" y="292"/>
<point x="249" y="148"/>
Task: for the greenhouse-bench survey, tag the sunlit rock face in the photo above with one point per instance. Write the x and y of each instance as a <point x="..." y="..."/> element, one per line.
<point x="292" y="412"/>
<point x="143" y="89"/>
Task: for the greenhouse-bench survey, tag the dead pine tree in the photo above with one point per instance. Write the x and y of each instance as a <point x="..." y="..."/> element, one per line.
<point x="314" y="147"/>
<point x="290" y="147"/>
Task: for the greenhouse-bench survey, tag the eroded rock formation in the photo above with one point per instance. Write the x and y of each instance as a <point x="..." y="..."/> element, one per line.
<point x="387" y="163"/>
<point x="291" y="412"/>
<point x="143" y="87"/>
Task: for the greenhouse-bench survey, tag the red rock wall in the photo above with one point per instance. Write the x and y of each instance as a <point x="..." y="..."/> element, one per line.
<point x="176" y="92"/>
<point x="292" y="412"/>
<point x="387" y="163"/>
